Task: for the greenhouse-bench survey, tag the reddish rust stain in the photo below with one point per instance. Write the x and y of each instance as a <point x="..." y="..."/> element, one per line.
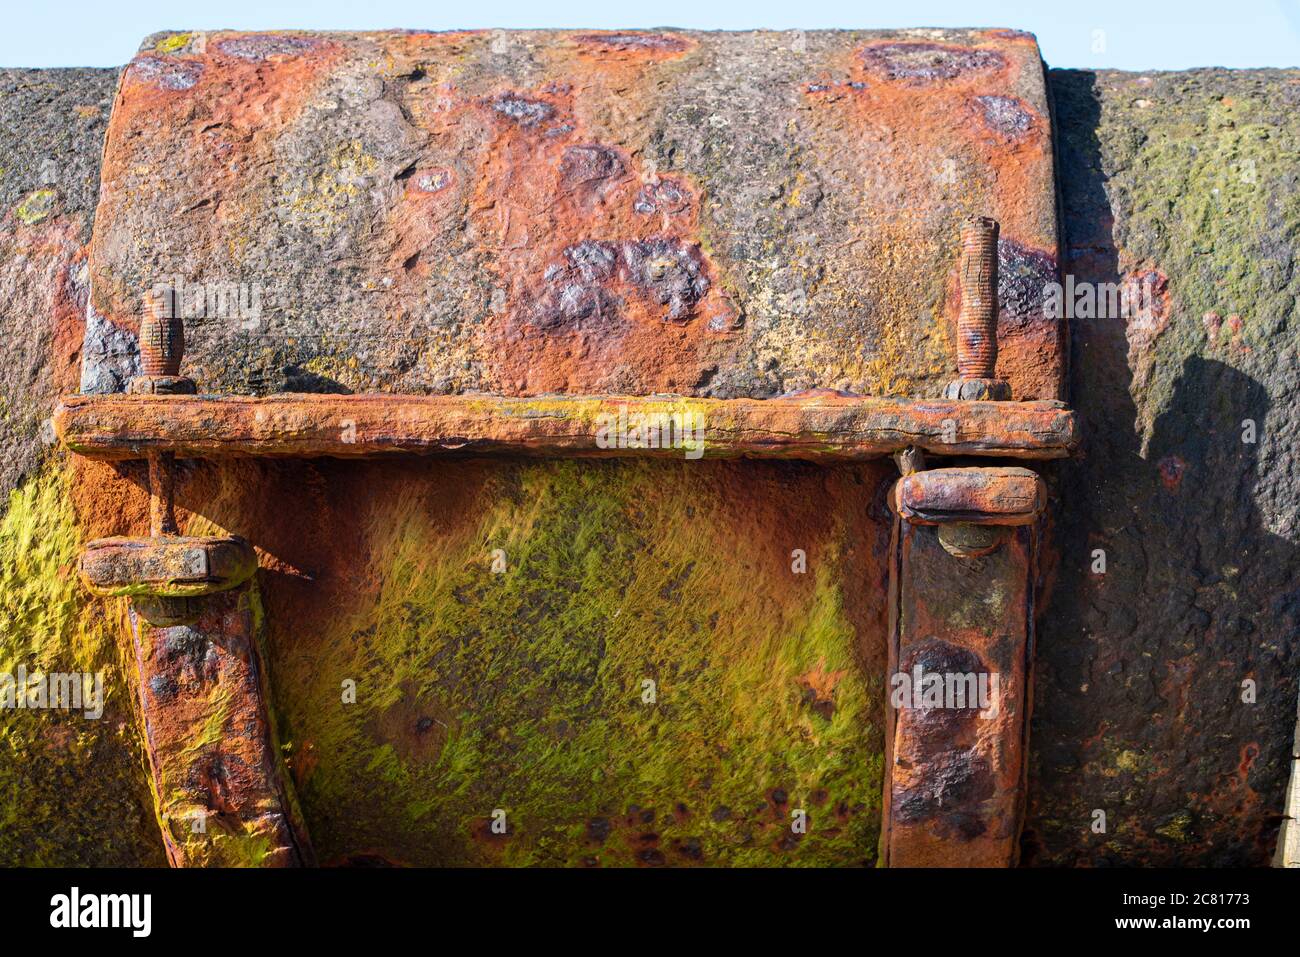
<point x="955" y="116"/>
<point x="263" y="84"/>
<point x="819" y="689"/>
<point x="302" y="763"/>
<point x="954" y="772"/>
<point x="238" y="777"/>
<point x="1212" y="322"/>
<point x="1171" y="469"/>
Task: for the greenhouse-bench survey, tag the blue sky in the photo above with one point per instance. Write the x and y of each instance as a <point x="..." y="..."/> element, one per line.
<point x="1128" y="35"/>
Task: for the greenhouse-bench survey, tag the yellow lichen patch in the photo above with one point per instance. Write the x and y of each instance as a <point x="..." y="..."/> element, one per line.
<point x="36" y="207"/>
<point x="321" y="204"/>
<point x="174" y="43"/>
<point x="618" y="657"/>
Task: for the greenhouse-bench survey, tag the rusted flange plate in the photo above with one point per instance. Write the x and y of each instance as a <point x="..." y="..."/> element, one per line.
<point x="983" y="496"/>
<point x="708" y="213"/>
<point x="171" y="567"/>
<point x="816" y="427"/>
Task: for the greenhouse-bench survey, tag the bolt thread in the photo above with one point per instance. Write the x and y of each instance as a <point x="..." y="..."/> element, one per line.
<point x="162" y="335"/>
<point x="977" y="326"/>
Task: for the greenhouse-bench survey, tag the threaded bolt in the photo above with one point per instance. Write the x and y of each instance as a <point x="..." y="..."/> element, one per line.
<point x="162" y="335"/>
<point x="977" y="326"/>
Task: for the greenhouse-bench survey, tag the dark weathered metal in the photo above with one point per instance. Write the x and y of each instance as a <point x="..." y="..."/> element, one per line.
<point x="225" y="791"/>
<point x="162" y="486"/>
<point x="223" y="797"/>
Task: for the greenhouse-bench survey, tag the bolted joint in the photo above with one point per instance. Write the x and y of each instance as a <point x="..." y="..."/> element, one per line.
<point x="990" y="495"/>
<point x="167" y="578"/>
<point x="972" y="507"/>
<point x="962" y="584"/>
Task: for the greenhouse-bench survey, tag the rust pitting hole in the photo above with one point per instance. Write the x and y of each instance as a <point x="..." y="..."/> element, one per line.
<point x="1005" y="115"/>
<point x="1171" y="469"/>
<point x="928" y="62"/>
<point x="666" y="271"/>
<point x="482" y="832"/>
<point x="689" y="848"/>
<point x="936" y="728"/>
<point x="170" y="74"/>
<point x="1024" y="277"/>
<point x="522" y="110"/>
<point x="949" y="797"/>
<point x="432" y="180"/>
<point x="666" y="196"/>
<point x="588" y="164"/>
<point x="651" y="857"/>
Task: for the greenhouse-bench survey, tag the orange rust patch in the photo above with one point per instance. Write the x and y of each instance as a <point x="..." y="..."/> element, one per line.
<point x="631" y="45"/>
<point x="259" y="87"/>
<point x="592" y="282"/>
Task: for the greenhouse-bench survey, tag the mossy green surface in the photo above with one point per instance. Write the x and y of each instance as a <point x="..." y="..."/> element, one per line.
<point x="73" y="790"/>
<point x="524" y="691"/>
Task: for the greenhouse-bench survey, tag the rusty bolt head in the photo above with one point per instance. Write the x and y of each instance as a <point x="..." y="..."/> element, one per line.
<point x="968" y="540"/>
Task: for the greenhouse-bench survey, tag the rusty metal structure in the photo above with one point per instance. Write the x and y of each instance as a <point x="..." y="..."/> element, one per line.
<point x="622" y="284"/>
<point x="962" y="574"/>
<point x="193" y="634"/>
<point x="421" y="399"/>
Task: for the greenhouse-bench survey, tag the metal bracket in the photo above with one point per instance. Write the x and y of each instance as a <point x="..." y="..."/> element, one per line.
<point x="962" y="578"/>
<point x="193" y="633"/>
